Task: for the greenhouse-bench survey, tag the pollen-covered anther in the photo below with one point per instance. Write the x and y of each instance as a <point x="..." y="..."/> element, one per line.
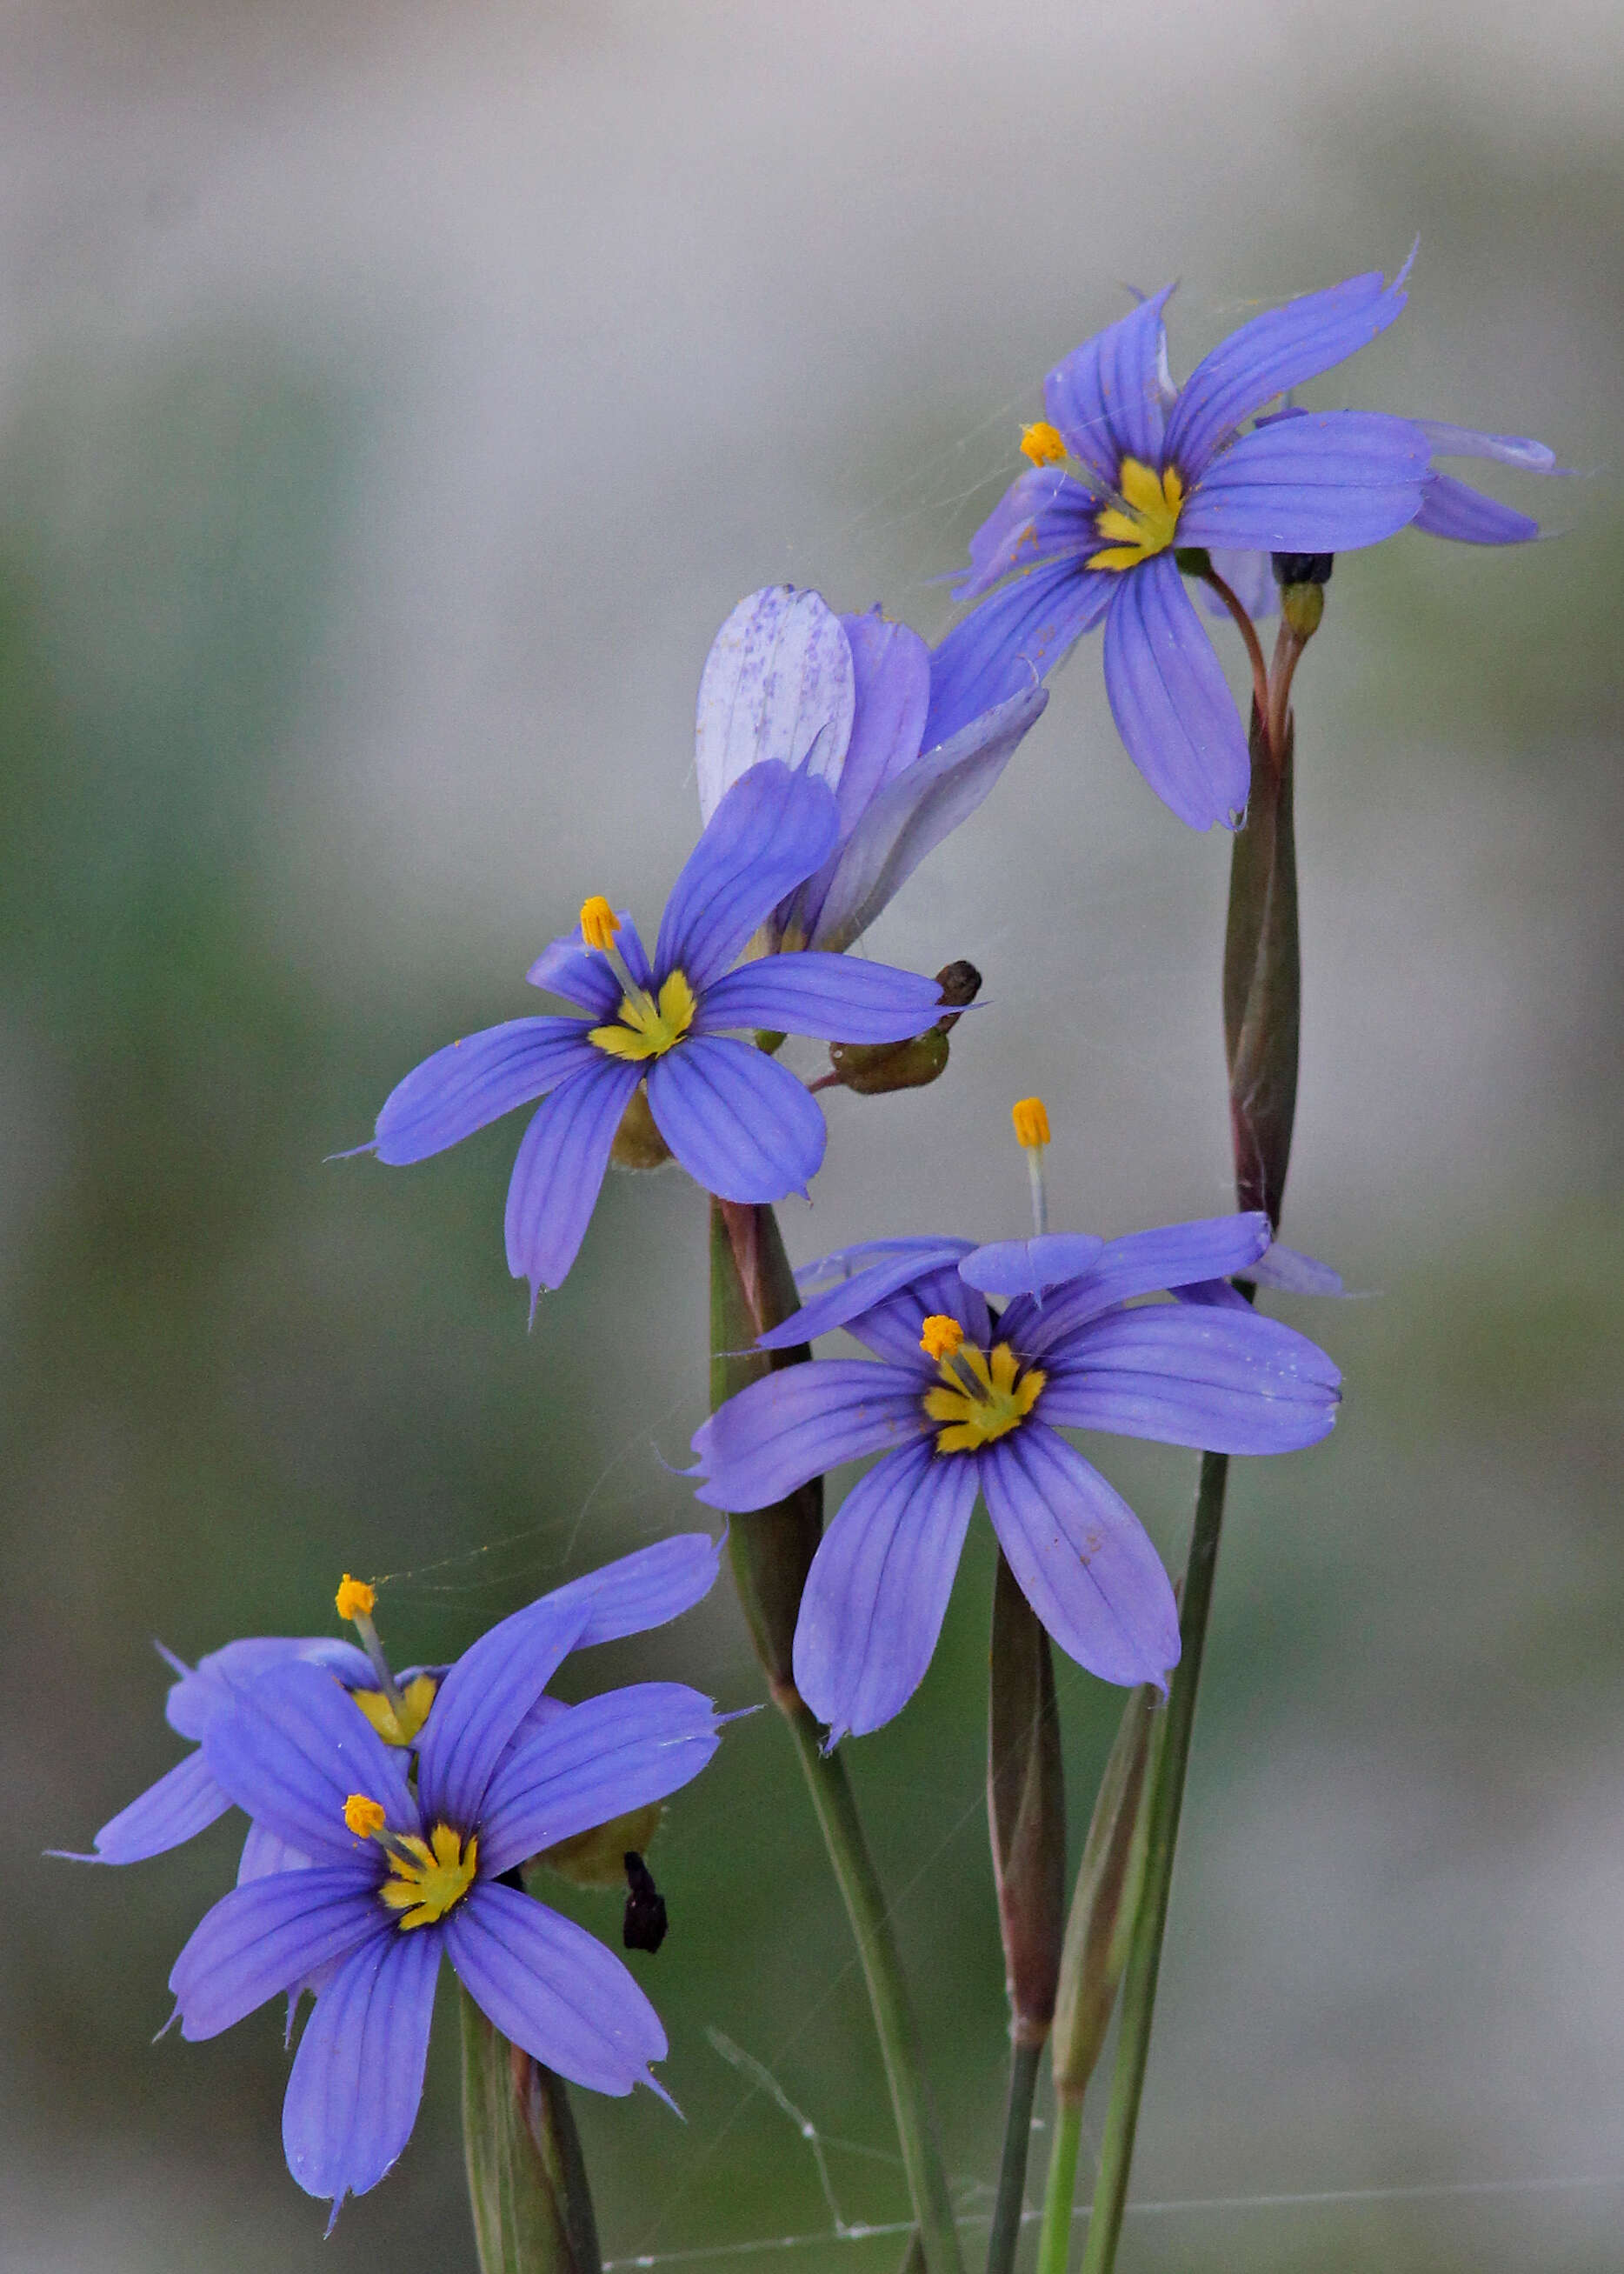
<point x="364" y="1817"/>
<point x="940" y="1336"/>
<point x="1043" y="444"/>
<point x="598" y="924"/>
<point x="1144" y="520"/>
<point x="1031" y="1120"/>
<point x="355" y="1599"/>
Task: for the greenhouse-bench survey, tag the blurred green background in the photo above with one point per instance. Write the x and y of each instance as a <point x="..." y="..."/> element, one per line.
<point x="394" y="401"/>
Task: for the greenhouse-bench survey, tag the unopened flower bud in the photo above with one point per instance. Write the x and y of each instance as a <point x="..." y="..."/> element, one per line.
<point x="1107" y="1897"/>
<point x="873" y="1068"/>
<point x="1302" y="578"/>
<point x="597" y="1858"/>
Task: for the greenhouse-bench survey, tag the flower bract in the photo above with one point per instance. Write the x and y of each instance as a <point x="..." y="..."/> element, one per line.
<point x="967" y="1399"/>
<point x="740" y="1123"/>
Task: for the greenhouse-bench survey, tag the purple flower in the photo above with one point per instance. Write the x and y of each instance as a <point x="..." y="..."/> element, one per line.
<point x="632" y="1594"/>
<point x="1125" y="480"/>
<point x="741" y="1124"/>
<point x="1450" y="508"/>
<point x="967" y="1399"/>
<point x="396" y="1879"/>
<point x="845" y="699"/>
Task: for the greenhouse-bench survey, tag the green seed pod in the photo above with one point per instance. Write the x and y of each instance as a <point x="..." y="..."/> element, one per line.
<point x="597" y="1858"/>
<point x="637" y="1141"/>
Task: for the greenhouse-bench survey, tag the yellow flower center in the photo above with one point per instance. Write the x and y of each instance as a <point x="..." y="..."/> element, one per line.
<point x="397" y="1729"/>
<point x="1142" y="520"/>
<point x="983" y="1395"/>
<point x="428" y="1877"/>
<point x="647" y="1029"/>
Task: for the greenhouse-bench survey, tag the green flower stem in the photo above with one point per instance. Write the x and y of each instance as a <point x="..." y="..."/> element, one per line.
<point x="1055" y="2241"/>
<point x="527" y="2184"/>
<point x="1139" y="1997"/>
<point x="888" y="1995"/>
<point x="1010" y="2201"/>
<point x="752" y="1288"/>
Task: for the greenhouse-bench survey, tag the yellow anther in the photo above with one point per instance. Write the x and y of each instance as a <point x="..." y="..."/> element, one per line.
<point x="1043" y="444"/>
<point x="355" y="1599"/>
<point x="645" y="1029"/>
<point x="364" y="1817"/>
<point x="940" y="1336"/>
<point x="598" y="923"/>
<point x="398" y="1728"/>
<point x="1145" y="522"/>
<point x="1031" y="1121"/>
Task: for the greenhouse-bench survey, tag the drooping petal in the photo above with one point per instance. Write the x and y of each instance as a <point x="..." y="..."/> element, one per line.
<point x="568" y="967"/>
<point x="1216" y="1380"/>
<point x="209" y="1687"/>
<point x="553" y="1988"/>
<point x="562" y="1159"/>
<point x="915" y="811"/>
<point x="263" y="1938"/>
<point x="771" y="831"/>
<point x="1106" y="397"/>
<point x="877" y="1590"/>
<point x="1324" y="481"/>
<point x="738" y="1122"/>
<point x="593" y="1762"/>
<point x="1010" y="641"/>
<point x="1295" y="1273"/>
<point x="1449" y="441"/>
<point x="1276" y="351"/>
<point x="1141" y="1263"/>
<point x="644" y="1589"/>
<point x="836" y="998"/>
<point x="358" y="2076"/>
<point x="1081" y="1557"/>
<point x="182" y="1803"/>
<point x="483" y="1698"/>
<point x="290" y="1751"/>
<point x="1169" y="698"/>
<point x="863" y="1277"/>
<point x="1453" y="509"/>
<point x="892" y="669"/>
<point x="778" y="686"/>
<point x="476" y="1081"/>
<point x="800" y="1422"/>
<point x="1026" y="1267"/>
<point x="1044" y="515"/>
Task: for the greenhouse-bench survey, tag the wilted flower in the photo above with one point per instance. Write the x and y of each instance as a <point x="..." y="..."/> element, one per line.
<point x="845" y="699"/>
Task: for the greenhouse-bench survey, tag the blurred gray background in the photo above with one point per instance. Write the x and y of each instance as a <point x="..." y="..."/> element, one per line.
<point x="394" y="401"/>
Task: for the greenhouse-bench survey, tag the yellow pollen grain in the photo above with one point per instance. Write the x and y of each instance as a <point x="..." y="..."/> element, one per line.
<point x="598" y="923"/>
<point x="1144" y="520"/>
<point x="1043" y="444"/>
<point x="940" y="1336"/>
<point x="364" y="1817"/>
<point x="355" y="1599"/>
<point x="1031" y="1120"/>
